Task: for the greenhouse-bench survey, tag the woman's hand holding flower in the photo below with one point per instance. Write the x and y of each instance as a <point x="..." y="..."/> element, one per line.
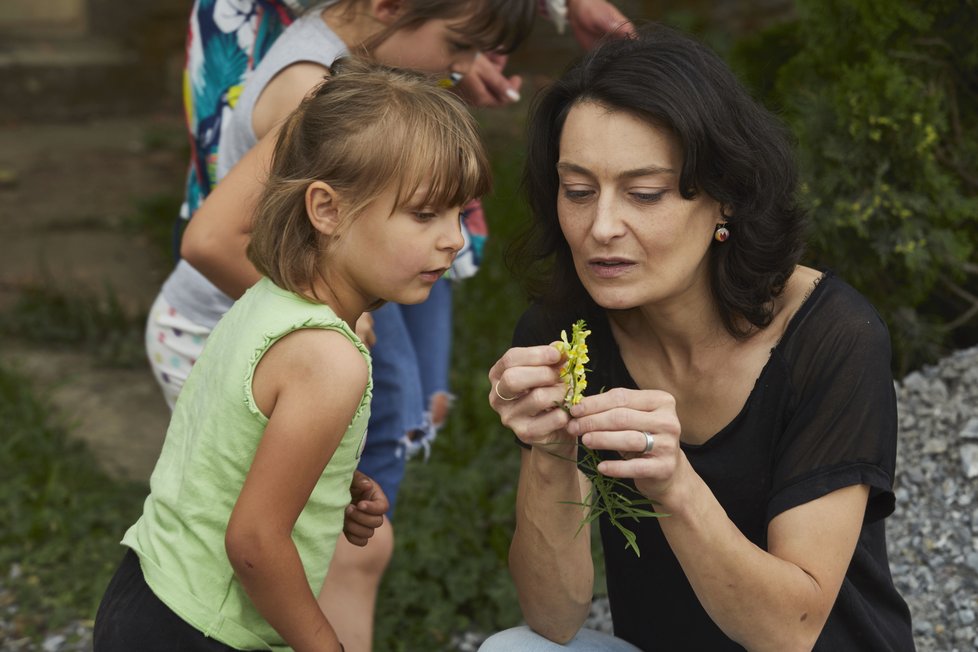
<point x="527" y="392"/>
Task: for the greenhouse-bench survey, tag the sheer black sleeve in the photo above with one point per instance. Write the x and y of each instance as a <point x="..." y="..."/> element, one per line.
<point x="841" y="427"/>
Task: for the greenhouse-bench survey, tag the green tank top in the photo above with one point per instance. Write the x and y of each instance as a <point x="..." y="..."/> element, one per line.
<point x="209" y="447"/>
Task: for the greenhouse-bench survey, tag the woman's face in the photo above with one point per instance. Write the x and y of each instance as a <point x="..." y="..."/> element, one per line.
<point x="635" y="241"/>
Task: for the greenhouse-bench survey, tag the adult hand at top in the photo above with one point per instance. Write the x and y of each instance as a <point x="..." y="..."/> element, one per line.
<point x="591" y="19"/>
<point x="485" y="84"/>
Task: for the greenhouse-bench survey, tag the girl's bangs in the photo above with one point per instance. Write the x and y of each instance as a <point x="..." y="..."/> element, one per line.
<point x="450" y="169"/>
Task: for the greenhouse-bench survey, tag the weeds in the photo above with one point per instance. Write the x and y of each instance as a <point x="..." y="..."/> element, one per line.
<point x="62" y="517"/>
<point x="48" y="315"/>
<point x="154" y="219"/>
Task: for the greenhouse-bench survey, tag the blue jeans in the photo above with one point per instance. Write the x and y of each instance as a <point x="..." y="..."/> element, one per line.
<point x="410" y="363"/>
<point x="429" y="326"/>
<point x="524" y="639"/>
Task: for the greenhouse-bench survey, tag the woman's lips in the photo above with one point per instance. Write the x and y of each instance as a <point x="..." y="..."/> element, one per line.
<point x="609" y="267"/>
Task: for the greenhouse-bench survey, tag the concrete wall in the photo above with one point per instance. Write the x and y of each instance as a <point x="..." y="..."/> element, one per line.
<point x="43" y="16"/>
<point x="68" y="59"/>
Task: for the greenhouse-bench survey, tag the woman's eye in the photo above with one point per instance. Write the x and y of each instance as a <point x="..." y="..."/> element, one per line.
<point x="577" y="194"/>
<point x="647" y="197"/>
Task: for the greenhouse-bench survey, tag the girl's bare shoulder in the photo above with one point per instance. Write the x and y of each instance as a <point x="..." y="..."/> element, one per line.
<point x="284" y="92"/>
<point x="311" y="362"/>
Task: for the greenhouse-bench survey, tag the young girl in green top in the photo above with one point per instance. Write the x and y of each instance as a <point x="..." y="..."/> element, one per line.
<point x="362" y="206"/>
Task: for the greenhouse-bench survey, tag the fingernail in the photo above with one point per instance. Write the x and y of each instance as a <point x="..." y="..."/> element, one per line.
<point x="513" y="94"/>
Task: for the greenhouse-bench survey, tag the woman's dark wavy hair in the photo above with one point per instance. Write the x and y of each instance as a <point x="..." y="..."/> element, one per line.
<point x="733" y="150"/>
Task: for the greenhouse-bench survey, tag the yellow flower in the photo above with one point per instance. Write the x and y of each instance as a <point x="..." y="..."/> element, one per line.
<point x="573" y="372"/>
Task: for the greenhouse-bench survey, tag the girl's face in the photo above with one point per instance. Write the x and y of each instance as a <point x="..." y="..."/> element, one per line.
<point x="396" y="253"/>
<point x="435" y="46"/>
<point x="635" y="241"/>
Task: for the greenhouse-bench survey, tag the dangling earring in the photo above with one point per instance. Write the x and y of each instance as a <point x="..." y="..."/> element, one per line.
<point x="721" y="233"/>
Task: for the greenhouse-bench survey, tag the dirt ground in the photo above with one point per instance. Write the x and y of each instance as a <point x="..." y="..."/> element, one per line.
<point x="66" y="194"/>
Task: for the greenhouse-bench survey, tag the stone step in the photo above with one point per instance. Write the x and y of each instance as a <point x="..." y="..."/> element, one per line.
<point x="71" y="195"/>
<point x="74" y="77"/>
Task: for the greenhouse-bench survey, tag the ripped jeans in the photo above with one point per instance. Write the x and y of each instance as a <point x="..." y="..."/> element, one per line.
<point x="410" y="370"/>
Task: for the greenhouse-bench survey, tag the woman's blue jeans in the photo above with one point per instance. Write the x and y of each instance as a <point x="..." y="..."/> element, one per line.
<point x="524" y="639"/>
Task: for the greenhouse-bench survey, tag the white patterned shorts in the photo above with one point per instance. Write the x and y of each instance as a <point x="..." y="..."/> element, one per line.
<point x="173" y="344"/>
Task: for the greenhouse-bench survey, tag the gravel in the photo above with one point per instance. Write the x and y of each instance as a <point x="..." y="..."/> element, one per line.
<point x="932" y="536"/>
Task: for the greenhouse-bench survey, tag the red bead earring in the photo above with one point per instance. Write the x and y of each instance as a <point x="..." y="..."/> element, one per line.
<point x="721" y="233"/>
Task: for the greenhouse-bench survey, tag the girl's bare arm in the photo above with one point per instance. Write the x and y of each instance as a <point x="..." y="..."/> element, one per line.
<point x="217" y="237"/>
<point x="301" y="437"/>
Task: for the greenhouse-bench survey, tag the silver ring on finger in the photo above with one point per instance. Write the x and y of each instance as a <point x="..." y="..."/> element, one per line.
<point x="495" y="388"/>
<point x="649" y="442"/>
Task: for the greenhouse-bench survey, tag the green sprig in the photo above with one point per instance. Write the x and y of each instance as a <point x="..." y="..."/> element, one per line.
<point x="607" y="495"/>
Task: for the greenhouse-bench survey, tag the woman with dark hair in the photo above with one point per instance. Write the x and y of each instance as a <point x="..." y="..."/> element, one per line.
<point x="744" y="396"/>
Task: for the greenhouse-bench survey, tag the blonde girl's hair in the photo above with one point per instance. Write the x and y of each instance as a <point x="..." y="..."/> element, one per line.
<point x="363" y="129"/>
<point x="489" y="24"/>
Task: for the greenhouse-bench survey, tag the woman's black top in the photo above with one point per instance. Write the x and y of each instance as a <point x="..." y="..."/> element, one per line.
<point x="821" y="416"/>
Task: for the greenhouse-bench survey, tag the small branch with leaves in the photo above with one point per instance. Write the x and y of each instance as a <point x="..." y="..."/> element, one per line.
<point x="607" y="495"/>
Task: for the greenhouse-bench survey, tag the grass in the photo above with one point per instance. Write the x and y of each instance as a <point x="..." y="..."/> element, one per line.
<point x="62" y="516"/>
<point x="47" y="315"/>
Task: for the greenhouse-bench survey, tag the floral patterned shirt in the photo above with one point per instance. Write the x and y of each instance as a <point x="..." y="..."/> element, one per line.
<point x="226" y="40"/>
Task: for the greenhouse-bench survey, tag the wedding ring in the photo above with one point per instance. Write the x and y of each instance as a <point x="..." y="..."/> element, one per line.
<point x="495" y="388"/>
<point x="649" y="441"/>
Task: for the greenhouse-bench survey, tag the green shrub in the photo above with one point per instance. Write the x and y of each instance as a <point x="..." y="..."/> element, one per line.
<point x="881" y="96"/>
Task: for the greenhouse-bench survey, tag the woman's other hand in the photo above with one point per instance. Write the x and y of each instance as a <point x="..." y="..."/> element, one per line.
<point x="626" y="420"/>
